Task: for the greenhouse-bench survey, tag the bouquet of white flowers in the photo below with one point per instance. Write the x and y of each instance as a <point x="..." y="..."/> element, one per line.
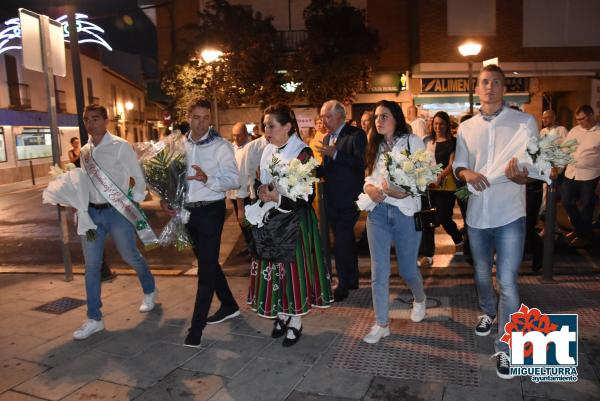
<point x="546" y="152"/>
<point x="165" y="171"/>
<point x="410" y="173"/>
<point x="405" y="172"/>
<point x="293" y="179"/>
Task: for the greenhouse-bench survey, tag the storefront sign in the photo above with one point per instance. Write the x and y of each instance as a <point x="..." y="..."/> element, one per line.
<point x="10" y="38"/>
<point x="460" y="85"/>
<point x="388" y="83"/>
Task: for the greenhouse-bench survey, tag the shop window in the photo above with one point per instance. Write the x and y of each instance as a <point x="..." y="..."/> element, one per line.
<point x="2" y="146"/>
<point x="34" y="143"/>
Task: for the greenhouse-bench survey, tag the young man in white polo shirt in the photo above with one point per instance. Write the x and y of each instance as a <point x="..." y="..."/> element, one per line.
<point x="495" y="217"/>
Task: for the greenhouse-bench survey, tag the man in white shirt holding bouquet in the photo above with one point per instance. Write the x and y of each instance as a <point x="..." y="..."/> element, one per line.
<point x="212" y="171"/>
<point x="496" y="214"/>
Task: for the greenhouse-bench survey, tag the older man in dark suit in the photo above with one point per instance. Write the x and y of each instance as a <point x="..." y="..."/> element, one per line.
<point x="343" y="168"/>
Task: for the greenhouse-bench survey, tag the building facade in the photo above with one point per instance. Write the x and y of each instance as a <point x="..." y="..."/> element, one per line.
<point x="549" y="50"/>
<point x="25" y="141"/>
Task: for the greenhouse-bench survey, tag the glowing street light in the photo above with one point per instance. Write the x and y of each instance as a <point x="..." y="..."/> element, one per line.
<point x="469" y="50"/>
<point x="210" y="56"/>
<point x="129" y="105"/>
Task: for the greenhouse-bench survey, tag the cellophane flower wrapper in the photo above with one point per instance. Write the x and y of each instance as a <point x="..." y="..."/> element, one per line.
<point x="71" y="188"/>
<point x="537" y="154"/>
<point x="293" y="179"/>
<point x="165" y="171"/>
<point x="411" y="173"/>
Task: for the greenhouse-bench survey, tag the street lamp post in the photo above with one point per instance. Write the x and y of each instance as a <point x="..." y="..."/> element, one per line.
<point x="469" y="50"/>
<point x="209" y="56"/>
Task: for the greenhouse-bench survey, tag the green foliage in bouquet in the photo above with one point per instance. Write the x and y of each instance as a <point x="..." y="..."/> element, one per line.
<point x="166" y="176"/>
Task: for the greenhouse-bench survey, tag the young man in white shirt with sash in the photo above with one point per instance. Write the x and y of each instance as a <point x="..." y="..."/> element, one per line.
<point x="495" y="216"/>
<point x="212" y="171"/>
<point x="110" y="163"/>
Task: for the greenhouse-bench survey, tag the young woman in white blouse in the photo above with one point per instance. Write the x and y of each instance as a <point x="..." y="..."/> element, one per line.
<point x="391" y="220"/>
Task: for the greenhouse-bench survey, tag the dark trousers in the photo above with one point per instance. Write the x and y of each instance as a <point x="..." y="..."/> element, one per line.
<point x="342" y="222"/>
<point x="443" y="201"/>
<point x="205" y="227"/>
<point x="246" y="232"/>
<point x="533" y="201"/>
<point x="581" y="216"/>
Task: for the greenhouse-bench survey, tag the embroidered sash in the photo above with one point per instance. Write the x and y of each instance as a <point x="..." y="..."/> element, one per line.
<point x="118" y="199"/>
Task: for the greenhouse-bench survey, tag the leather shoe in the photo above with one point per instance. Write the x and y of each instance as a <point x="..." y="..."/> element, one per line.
<point x="288" y="342"/>
<point x="340" y="294"/>
<point x="353" y="286"/>
<point x="280" y="327"/>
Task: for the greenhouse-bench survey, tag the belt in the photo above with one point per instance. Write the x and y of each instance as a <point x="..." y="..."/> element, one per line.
<point x="100" y="205"/>
<point x="193" y="205"/>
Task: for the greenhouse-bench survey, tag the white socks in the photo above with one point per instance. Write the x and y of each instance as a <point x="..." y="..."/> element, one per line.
<point x="295" y="322"/>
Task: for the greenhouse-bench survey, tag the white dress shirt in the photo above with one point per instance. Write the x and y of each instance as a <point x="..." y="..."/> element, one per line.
<point x="249" y="166"/>
<point x="478" y="143"/>
<point x="409" y="205"/>
<point x="419" y="127"/>
<point x="217" y="161"/>
<point x="562" y="132"/>
<point x="587" y="154"/>
<point x="116" y="158"/>
<point x="238" y="152"/>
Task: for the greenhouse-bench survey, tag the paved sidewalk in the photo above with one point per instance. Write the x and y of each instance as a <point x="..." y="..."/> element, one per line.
<point x="140" y="356"/>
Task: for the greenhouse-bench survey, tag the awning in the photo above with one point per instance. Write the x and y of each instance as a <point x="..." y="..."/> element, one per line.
<point x="518" y="98"/>
<point x="35" y="118"/>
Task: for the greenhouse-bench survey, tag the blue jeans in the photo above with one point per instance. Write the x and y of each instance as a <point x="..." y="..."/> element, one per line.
<point x="123" y="234"/>
<point x="508" y="242"/>
<point x="387" y="224"/>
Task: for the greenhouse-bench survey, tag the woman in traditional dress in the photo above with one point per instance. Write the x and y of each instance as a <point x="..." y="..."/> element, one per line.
<point x="288" y="274"/>
<point x="391" y="220"/>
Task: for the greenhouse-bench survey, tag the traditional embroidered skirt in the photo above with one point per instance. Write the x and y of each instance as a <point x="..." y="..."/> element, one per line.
<point x="292" y="288"/>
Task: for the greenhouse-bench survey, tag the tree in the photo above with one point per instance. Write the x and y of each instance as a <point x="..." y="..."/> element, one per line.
<point x="335" y="60"/>
<point x="245" y="74"/>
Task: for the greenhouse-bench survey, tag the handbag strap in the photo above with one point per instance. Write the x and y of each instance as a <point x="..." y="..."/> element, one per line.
<point x="427" y="197"/>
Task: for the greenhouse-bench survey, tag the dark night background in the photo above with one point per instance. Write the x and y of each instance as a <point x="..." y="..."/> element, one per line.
<point x="139" y="36"/>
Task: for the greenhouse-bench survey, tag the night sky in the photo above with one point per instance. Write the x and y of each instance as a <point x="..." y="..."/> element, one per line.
<point x="126" y="26"/>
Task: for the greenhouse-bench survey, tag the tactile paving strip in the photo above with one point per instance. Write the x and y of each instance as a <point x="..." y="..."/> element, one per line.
<point x="441" y="348"/>
<point x="60" y="306"/>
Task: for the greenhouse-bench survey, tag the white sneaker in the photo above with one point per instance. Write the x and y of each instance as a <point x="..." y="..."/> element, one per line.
<point x="148" y="301"/>
<point x="377" y="333"/>
<point x="418" y="311"/>
<point x="88" y="328"/>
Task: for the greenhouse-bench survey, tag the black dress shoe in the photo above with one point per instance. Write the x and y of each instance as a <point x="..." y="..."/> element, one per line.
<point x="280" y="327"/>
<point x="108" y="277"/>
<point x="353" y="286"/>
<point x="340" y="294"/>
<point x="193" y="340"/>
<point x="288" y="342"/>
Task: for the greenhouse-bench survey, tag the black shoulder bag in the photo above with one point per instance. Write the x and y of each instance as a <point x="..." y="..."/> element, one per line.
<point x="427" y="217"/>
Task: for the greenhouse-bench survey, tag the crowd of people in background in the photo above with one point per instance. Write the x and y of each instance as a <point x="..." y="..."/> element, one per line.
<point x="288" y="272"/>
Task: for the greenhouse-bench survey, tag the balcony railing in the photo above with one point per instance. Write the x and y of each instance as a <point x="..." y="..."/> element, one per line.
<point x="19" y="96"/>
<point x="61" y="102"/>
<point x="93" y="100"/>
<point x="290" y="41"/>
